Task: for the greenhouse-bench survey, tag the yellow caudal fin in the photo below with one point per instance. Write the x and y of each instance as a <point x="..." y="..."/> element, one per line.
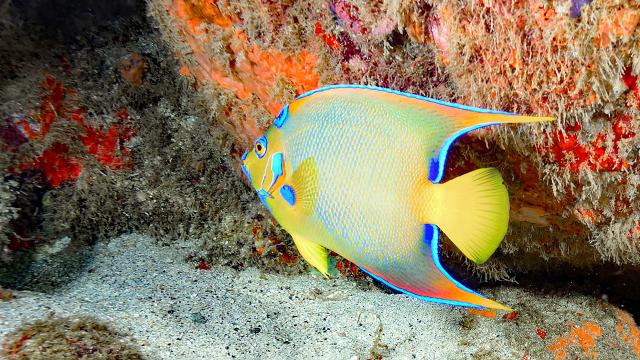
<point x="472" y="210"/>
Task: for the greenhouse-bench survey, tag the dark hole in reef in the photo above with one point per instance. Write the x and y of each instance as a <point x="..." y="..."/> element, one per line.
<point x="617" y="283"/>
<point x="64" y="20"/>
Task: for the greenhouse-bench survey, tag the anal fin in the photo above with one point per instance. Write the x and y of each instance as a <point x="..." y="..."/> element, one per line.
<point x="424" y="277"/>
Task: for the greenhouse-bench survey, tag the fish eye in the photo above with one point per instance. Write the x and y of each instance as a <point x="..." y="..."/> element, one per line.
<point x="260" y="148"/>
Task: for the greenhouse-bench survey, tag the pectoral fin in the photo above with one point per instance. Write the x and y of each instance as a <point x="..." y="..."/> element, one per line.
<point x="314" y="254"/>
<point x="304" y="185"/>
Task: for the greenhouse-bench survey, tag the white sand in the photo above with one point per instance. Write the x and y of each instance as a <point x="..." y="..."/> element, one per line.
<point x="152" y="293"/>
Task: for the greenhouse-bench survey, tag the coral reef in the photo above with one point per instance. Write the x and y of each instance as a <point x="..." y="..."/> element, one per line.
<point x="67" y="338"/>
<point x="571" y="183"/>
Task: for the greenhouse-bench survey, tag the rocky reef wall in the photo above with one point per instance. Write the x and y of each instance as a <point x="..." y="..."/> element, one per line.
<point x="572" y="183"/>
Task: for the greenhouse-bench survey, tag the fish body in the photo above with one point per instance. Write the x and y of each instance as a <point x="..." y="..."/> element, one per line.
<point x="356" y="170"/>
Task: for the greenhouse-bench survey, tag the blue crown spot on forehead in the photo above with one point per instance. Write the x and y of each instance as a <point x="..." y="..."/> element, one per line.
<point x="282" y="117"/>
<point x="288" y="194"/>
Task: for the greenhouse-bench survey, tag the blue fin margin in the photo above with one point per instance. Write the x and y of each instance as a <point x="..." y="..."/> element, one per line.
<point x="282" y="117"/>
<point x="396" y="92"/>
<point x="436" y="165"/>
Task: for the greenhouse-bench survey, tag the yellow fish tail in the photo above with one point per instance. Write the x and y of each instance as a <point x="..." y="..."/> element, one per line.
<point x="472" y="210"/>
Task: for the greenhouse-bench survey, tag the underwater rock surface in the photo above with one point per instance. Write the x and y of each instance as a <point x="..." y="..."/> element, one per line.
<point x="174" y="310"/>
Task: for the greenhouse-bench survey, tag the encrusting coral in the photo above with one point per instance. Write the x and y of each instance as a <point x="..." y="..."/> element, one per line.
<point x="87" y="154"/>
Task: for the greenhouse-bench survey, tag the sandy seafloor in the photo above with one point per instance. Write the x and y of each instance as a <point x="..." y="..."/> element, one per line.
<point x="174" y="311"/>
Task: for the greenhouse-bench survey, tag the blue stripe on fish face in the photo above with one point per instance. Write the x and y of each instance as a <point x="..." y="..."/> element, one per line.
<point x="277" y="162"/>
<point x="263" y="195"/>
<point x="282" y="117"/>
<point x="244" y="156"/>
<point x="436" y="166"/>
<point x="247" y="174"/>
<point x="288" y="194"/>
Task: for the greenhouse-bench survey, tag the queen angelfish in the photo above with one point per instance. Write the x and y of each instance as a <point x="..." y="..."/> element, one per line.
<point x="357" y="170"/>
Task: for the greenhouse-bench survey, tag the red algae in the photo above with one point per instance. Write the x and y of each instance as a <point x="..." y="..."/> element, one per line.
<point x="202" y="265"/>
<point x="601" y="154"/>
<point x="628" y="331"/>
<point x="542" y="334"/>
<point x="346" y="267"/>
<point x="57" y="162"/>
<point x="328" y="39"/>
<point x="14" y="347"/>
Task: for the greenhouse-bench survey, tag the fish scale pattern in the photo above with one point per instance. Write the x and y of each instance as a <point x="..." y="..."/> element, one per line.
<point x="360" y="168"/>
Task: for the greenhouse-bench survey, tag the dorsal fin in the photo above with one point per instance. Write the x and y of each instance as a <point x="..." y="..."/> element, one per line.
<point x="448" y="120"/>
<point x="465" y="121"/>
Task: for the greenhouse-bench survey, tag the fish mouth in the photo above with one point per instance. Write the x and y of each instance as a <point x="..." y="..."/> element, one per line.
<point x="263" y="194"/>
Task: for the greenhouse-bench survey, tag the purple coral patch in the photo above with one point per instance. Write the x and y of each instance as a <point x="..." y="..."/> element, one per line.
<point x="576" y="7"/>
